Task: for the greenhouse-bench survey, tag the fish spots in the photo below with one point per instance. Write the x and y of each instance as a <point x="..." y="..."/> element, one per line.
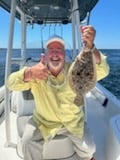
<point x="82" y="75"/>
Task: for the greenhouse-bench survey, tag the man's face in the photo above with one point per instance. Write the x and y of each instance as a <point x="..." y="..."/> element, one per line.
<point x="55" y="57"/>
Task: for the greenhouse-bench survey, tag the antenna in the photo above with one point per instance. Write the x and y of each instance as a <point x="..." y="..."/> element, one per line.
<point x="49" y="30"/>
<point x="55" y="28"/>
<point x="61" y="30"/>
<point x="42" y="45"/>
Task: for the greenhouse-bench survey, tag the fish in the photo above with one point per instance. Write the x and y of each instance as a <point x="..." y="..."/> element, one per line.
<point x="82" y="75"/>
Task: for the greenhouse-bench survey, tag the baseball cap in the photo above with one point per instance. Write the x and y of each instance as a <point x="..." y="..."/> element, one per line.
<point x="55" y="38"/>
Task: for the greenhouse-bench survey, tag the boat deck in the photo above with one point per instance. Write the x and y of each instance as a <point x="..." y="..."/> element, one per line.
<point x="96" y="122"/>
<point x="95" y="119"/>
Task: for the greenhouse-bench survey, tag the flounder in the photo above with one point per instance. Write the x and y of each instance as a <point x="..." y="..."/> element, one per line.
<point x="82" y="75"/>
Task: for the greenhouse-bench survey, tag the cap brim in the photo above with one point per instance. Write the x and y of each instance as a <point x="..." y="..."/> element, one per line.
<point x="58" y="40"/>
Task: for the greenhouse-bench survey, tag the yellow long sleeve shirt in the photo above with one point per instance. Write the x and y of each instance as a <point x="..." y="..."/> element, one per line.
<point x="54" y="106"/>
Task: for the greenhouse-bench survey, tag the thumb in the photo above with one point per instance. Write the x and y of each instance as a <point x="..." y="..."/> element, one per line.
<point x="43" y="58"/>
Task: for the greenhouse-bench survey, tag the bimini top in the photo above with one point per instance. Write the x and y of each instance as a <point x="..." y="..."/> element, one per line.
<point x="42" y="11"/>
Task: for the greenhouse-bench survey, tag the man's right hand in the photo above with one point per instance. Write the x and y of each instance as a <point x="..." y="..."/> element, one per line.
<point x="38" y="71"/>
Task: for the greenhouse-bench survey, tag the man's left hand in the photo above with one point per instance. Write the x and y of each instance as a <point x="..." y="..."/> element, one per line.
<point x="88" y="35"/>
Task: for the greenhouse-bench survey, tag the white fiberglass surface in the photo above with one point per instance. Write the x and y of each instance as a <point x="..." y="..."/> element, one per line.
<point x="98" y="125"/>
<point x="95" y="120"/>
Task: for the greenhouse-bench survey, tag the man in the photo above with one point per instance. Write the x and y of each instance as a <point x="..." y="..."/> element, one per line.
<point x="55" y="111"/>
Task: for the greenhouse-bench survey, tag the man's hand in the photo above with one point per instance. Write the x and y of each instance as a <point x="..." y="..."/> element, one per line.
<point x="38" y="71"/>
<point x="88" y="35"/>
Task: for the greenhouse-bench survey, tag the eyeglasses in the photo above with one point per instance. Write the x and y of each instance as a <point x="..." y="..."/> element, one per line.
<point x="58" y="50"/>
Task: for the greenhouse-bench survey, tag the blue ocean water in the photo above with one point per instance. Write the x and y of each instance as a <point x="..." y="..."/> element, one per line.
<point x="111" y="82"/>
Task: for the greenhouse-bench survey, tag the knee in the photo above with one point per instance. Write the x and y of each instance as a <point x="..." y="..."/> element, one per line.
<point x="91" y="149"/>
<point x="25" y="142"/>
<point x="86" y="151"/>
<point x="25" y="139"/>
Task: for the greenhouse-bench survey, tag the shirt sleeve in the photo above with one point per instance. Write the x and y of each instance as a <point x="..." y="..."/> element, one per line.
<point x="15" y="81"/>
<point x="102" y="69"/>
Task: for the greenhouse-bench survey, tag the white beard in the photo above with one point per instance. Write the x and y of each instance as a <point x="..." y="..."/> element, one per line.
<point x="55" y="67"/>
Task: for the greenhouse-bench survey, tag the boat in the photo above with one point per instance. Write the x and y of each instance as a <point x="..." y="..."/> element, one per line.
<point x="102" y="108"/>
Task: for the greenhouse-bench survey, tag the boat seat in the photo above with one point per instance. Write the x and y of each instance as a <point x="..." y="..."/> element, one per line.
<point x="113" y="139"/>
<point x="25" y="104"/>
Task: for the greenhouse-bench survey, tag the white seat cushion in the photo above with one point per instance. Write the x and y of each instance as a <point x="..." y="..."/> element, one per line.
<point x="59" y="147"/>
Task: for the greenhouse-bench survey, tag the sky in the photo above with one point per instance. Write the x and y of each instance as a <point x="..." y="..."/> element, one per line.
<point x="105" y="18"/>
